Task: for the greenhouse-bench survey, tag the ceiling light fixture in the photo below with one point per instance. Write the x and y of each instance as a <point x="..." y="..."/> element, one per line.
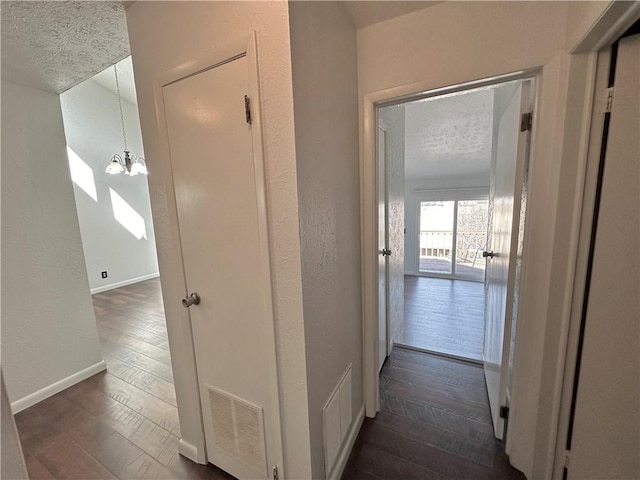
<point x="129" y="164"/>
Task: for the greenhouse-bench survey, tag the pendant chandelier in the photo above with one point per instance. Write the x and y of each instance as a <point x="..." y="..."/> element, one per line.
<point x="128" y="164"/>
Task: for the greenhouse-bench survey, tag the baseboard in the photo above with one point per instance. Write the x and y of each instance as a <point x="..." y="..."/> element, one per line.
<point x="347" y="446"/>
<point x="440" y="354"/>
<point x="191" y="452"/>
<point x="57" y="387"/>
<point x="124" y="283"/>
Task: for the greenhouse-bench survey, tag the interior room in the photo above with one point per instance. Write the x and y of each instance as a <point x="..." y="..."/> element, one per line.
<point x="292" y="254"/>
<point x="444" y="147"/>
<point x="101" y="121"/>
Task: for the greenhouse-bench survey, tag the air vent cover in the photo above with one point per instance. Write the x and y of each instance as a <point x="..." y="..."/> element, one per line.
<point x="238" y="429"/>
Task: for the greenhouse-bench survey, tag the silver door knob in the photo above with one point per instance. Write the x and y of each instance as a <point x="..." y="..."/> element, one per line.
<point x="385" y="252"/>
<point x="488" y="254"/>
<point x="193" y="299"/>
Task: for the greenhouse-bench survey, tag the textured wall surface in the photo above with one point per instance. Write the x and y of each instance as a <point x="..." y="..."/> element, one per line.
<point x="441" y="36"/>
<point x="93" y="131"/>
<point x="55" y="45"/>
<point x="326" y="128"/>
<point x="48" y="325"/>
<point x="394" y="119"/>
<point x="160" y="41"/>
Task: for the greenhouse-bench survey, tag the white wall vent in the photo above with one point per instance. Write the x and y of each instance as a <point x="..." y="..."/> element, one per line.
<point x="337" y="417"/>
<point x="238" y="429"/>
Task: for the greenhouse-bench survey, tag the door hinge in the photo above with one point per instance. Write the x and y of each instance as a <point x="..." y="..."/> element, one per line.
<point x="275" y="473"/>
<point x="504" y="412"/>
<point x="566" y="459"/>
<point x="526" y="122"/>
<point x="247" y="109"/>
<point x="609" y="99"/>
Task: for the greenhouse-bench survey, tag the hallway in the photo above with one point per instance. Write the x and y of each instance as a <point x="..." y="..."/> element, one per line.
<point x="444" y="316"/>
<point x="122" y="423"/>
<point x="434" y="422"/>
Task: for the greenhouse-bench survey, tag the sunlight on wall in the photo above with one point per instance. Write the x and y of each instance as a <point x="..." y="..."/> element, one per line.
<point x="82" y="174"/>
<point x="127" y="216"/>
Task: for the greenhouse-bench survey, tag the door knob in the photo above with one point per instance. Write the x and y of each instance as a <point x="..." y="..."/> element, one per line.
<point x="193" y="299"/>
<point x="385" y="252"/>
<point x="488" y="254"/>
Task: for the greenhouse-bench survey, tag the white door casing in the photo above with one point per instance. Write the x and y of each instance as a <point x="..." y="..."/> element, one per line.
<point x="383" y="244"/>
<point x="507" y="181"/>
<point x="216" y="162"/>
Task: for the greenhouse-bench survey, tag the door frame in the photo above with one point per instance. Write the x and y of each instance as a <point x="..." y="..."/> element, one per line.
<point x="371" y="103"/>
<point x="561" y="130"/>
<point x="192" y="442"/>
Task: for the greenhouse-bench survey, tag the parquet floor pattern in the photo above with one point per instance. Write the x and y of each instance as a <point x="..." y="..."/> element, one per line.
<point x="445" y="316"/>
<point x="122" y="423"/>
<point x="434" y="423"/>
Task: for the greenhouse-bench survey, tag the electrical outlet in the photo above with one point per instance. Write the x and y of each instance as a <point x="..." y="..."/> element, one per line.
<point x="104" y="274"/>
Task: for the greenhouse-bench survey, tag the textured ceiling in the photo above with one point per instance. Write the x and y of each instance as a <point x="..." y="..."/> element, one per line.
<point x="107" y="79"/>
<point x="449" y="136"/>
<point x="365" y="13"/>
<point x="54" y="45"/>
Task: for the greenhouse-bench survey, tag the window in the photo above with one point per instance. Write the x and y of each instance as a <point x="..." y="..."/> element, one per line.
<point x="452" y="236"/>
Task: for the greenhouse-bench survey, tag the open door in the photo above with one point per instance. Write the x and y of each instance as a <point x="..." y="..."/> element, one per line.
<point x="384" y="252"/>
<point x="507" y="176"/>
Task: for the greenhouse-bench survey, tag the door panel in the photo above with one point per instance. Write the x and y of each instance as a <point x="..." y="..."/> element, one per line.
<point x="383" y="242"/>
<point x="212" y="160"/>
<point x="507" y="178"/>
<point x="606" y="434"/>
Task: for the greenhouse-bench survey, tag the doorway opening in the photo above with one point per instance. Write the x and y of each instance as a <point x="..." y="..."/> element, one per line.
<point x="100" y="117"/>
<point x="452" y="186"/>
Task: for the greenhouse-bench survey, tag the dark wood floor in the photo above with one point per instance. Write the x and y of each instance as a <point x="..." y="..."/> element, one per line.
<point x="434" y="423"/>
<point x="445" y="316"/>
<point x="122" y="423"/>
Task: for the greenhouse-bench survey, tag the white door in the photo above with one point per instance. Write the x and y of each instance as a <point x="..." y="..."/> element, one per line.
<point x="606" y="428"/>
<point x="383" y="252"/>
<point x="224" y="251"/>
<point x="507" y="179"/>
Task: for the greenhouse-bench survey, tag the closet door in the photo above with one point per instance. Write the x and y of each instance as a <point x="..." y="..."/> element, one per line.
<point x="606" y="432"/>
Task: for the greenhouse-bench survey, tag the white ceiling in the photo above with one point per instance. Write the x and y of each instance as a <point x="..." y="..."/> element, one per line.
<point x="365" y="13"/>
<point x="449" y="136"/>
<point x="107" y="79"/>
<point x="55" y="45"/>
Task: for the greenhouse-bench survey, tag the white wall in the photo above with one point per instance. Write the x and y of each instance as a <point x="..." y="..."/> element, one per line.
<point x="394" y="119"/>
<point x="162" y="36"/>
<point x="580" y="17"/>
<point x="93" y="131"/>
<point x="456" y="42"/>
<point x="325" y="99"/>
<point x="48" y="326"/>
